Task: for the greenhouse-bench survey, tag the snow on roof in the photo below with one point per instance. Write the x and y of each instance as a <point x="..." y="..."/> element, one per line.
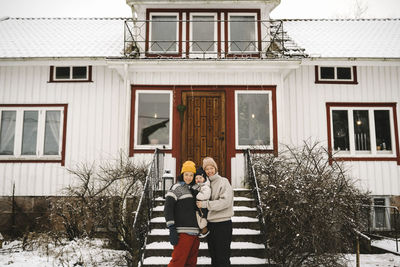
<point x="104" y="37"/>
<point x="349" y="38"/>
<point x="61" y="37"/>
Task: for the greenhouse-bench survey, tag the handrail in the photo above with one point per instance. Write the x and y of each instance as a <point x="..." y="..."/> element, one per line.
<point x="256" y="189"/>
<point x="147" y="198"/>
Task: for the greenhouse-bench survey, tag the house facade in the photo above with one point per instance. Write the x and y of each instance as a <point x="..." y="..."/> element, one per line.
<point x="196" y="79"/>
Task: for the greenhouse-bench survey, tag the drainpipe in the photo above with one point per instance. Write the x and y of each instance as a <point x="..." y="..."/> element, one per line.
<point x="128" y="104"/>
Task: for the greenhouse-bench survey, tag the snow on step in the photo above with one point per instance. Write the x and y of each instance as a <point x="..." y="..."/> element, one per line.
<point x="243" y="199"/>
<point x="236" y="219"/>
<point x="203" y="245"/>
<point x="207" y="260"/>
<point x="236" y="231"/>
<point x="235" y="208"/>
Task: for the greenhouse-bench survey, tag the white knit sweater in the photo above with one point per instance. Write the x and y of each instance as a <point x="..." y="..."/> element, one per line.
<point x="220" y="205"/>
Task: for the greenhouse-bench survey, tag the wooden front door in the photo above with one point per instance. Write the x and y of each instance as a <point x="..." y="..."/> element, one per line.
<point x="203" y="129"/>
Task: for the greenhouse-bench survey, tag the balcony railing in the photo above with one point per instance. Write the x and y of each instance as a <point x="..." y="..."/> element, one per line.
<point x="268" y="41"/>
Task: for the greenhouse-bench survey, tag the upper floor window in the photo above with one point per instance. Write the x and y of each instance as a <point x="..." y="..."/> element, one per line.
<point x="203" y="34"/>
<point x="242" y="33"/>
<point x="334" y="74"/>
<point x="153" y="115"/>
<point x="164" y="33"/>
<point x="254" y="127"/>
<point x="70" y="73"/>
<point x="31" y="132"/>
<point x="362" y="130"/>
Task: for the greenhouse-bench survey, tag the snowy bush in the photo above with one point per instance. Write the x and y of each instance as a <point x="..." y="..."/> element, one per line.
<point x="102" y="200"/>
<point x="310" y="206"/>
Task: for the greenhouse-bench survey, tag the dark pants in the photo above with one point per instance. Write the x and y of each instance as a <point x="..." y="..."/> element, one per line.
<point x="219" y="243"/>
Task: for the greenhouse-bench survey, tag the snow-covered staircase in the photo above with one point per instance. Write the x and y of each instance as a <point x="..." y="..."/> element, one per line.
<point x="246" y="247"/>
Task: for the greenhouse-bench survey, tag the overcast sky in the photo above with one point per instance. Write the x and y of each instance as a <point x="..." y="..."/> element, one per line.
<point x="118" y="8"/>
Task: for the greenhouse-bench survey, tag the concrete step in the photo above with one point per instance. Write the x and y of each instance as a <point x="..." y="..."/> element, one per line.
<point x="158" y="211"/>
<point x="238" y="235"/>
<point x="239" y="249"/>
<point x="206" y="261"/>
<point x="237" y="222"/>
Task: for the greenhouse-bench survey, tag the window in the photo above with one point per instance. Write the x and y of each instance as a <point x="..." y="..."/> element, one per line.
<point x="203" y="33"/>
<point x="70" y="73"/>
<point x="253" y="119"/>
<point x="242" y="33"/>
<point x="381" y="214"/>
<point x="31" y="132"/>
<point x="333" y="74"/>
<point x="164" y="33"/>
<point x="362" y="130"/>
<point x="153" y="113"/>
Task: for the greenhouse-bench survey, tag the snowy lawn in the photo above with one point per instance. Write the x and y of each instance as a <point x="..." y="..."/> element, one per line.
<point x="388" y="244"/>
<point x="85" y="252"/>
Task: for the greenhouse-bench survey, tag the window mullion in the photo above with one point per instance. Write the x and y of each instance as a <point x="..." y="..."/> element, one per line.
<point x="70" y="72"/>
<point x="392" y="135"/>
<point x="371" y="117"/>
<point x="351" y="132"/>
<point x="61" y="132"/>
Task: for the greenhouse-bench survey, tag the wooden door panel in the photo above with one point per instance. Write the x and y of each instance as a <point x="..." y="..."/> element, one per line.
<point x="204" y="127"/>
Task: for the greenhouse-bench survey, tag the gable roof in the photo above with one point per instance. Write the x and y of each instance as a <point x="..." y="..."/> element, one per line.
<point x="104" y="37"/>
<point x="362" y="38"/>
<point x="61" y="37"/>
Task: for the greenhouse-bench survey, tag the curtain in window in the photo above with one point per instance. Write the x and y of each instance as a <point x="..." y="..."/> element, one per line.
<point x="29" y="136"/>
<point x="52" y="133"/>
<point x="7" y="133"/>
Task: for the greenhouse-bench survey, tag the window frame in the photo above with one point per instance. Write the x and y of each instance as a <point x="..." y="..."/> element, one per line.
<point x="178" y="52"/>
<point x="53" y="79"/>
<point x="256" y="33"/>
<point x="352" y="80"/>
<point x="387" y="215"/>
<point x="137" y="146"/>
<point x="373" y="154"/>
<point x="271" y="120"/>
<point x="212" y="53"/>
<point x="39" y="157"/>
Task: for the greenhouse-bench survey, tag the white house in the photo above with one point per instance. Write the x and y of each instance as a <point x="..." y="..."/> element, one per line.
<point x="76" y="90"/>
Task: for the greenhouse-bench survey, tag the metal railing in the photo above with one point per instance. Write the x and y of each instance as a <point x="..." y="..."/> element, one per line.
<point x="268" y="41"/>
<point x="252" y="179"/>
<point x="143" y="213"/>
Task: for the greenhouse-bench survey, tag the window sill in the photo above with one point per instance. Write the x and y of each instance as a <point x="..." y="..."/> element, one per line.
<point x="70" y="81"/>
<point x="31" y="160"/>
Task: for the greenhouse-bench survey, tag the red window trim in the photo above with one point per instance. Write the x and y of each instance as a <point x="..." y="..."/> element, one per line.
<point x="219" y="37"/>
<point x="230" y="118"/>
<point x="318" y="81"/>
<point x="52" y="70"/>
<point x="63" y="145"/>
<point x="329" y="105"/>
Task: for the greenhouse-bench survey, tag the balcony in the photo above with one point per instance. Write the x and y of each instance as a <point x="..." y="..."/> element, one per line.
<point x="165" y="38"/>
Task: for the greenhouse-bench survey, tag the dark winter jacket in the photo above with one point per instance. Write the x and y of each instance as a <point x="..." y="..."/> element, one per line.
<point x="179" y="209"/>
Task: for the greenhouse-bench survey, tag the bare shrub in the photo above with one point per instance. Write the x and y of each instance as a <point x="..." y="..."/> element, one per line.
<point x="102" y="200"/>
<point x="310" y="206"/>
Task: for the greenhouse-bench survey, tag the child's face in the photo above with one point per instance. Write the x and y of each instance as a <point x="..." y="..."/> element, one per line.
<point x="188" y="177"/>
<point x="199" y="179"/>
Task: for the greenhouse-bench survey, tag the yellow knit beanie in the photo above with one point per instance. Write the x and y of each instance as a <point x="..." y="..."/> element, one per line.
<point x="210" y="161"/>
<point x="188" y="166"/>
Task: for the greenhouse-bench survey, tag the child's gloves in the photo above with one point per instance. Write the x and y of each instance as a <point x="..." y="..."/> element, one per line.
<point x="173" y="235"/>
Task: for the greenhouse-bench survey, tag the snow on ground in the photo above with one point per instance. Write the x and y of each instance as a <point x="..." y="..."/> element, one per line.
<point x="82" y="252"/>
<point x="388" y="244"/>
<point x="92" y="253"/>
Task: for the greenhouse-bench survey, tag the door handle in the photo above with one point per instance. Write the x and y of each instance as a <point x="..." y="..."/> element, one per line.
<point x="222" y="137"/>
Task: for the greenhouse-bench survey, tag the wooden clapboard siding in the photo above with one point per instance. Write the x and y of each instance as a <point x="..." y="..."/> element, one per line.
<point x="305" y="116"/>
<point x="95" y="130"/>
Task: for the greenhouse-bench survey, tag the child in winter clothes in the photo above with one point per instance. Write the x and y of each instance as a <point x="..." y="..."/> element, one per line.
<point x="202" y="191"/>
<point x="180" y="216"/>
<point x="220" y="212"/>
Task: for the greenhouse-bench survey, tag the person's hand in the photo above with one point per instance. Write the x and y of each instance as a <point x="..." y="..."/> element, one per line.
<point x="173" y="235"/>
<point x="198" y="204"/>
